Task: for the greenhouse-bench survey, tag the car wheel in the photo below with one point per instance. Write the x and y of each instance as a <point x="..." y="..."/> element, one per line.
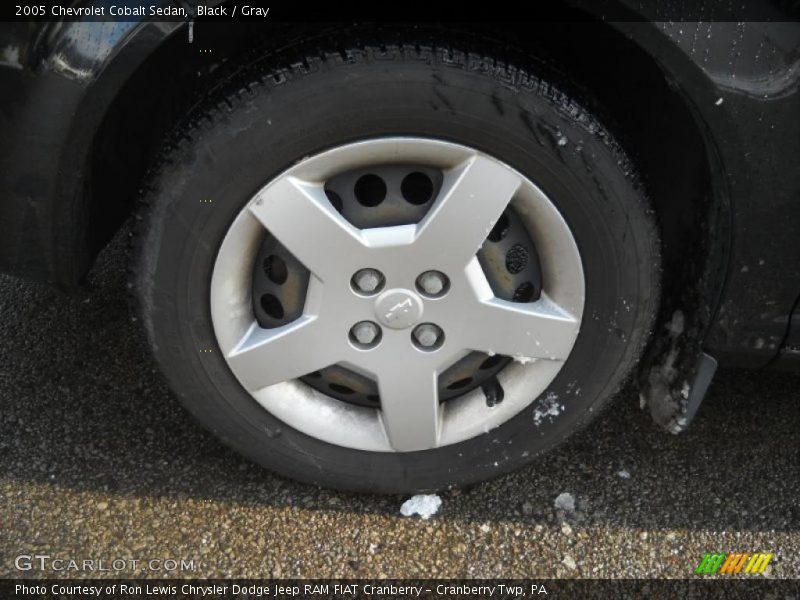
<point x="395" y="269"/>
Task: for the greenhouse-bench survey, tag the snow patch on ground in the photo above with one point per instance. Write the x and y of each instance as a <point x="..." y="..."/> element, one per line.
<point x="678" y="425"/>
<point x="424" y="505"/>
<point x="565" y="501"/>
<point x="676" y="324"/>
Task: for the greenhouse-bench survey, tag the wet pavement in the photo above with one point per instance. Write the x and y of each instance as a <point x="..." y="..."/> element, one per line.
<point x="99" y="462"/>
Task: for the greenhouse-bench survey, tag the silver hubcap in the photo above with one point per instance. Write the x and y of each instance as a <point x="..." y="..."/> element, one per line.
<point x="436" y="308"/>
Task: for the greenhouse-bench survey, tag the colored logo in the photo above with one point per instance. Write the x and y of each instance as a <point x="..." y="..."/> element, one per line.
<point x="731" y="564"/>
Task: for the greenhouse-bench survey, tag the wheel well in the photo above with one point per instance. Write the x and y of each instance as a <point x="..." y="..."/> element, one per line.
<point x="644" y="108"/>
<point x="615" y="78"/>
<point x="159" y="94"/>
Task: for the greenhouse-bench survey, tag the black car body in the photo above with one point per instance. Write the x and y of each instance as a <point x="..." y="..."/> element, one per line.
<point x="707" y="105"/>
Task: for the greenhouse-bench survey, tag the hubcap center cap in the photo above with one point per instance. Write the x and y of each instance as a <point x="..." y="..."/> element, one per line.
<point x="398" y="308"/>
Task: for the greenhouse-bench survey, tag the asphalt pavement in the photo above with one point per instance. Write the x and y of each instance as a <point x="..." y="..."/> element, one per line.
<point x="99" y="462"/>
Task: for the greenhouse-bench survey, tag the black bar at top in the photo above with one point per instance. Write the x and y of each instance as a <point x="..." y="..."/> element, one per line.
<point x="540" y="10"/>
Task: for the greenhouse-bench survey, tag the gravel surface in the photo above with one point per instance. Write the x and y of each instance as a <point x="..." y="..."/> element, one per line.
<point x="98" y="461"/>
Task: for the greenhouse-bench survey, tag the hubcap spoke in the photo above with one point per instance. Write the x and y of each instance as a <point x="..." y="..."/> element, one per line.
<point x="300" y="216"/>
<point x="539" y="329"/>
<point x="410" y="406"/>
<point x="267" y="356"/>
<point x="473" y="197"/>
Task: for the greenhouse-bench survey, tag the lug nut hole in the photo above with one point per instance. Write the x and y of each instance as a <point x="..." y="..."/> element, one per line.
<point x="491" y="362"/>
<point x="275" y="269"/>
<point x="370" y="190"/>
<point x="416" y="188"/>
<point x="342" y="389"/>
<point x="524" y="292"/>
<point x="461" y="383"/>
<point x="272" y="306"/>
<point x="500" y="229"/>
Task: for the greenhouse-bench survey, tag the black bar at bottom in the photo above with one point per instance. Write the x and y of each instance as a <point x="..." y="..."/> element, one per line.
<point x="379" y="589"/>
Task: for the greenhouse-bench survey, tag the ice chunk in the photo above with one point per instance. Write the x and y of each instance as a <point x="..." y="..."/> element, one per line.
<point x="424" y="505"/>
<point x="675" y="326"/>
<point x="565" y="501"/>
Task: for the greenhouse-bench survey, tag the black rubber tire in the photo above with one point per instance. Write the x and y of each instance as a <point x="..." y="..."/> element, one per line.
<point x="273" y="116"/>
